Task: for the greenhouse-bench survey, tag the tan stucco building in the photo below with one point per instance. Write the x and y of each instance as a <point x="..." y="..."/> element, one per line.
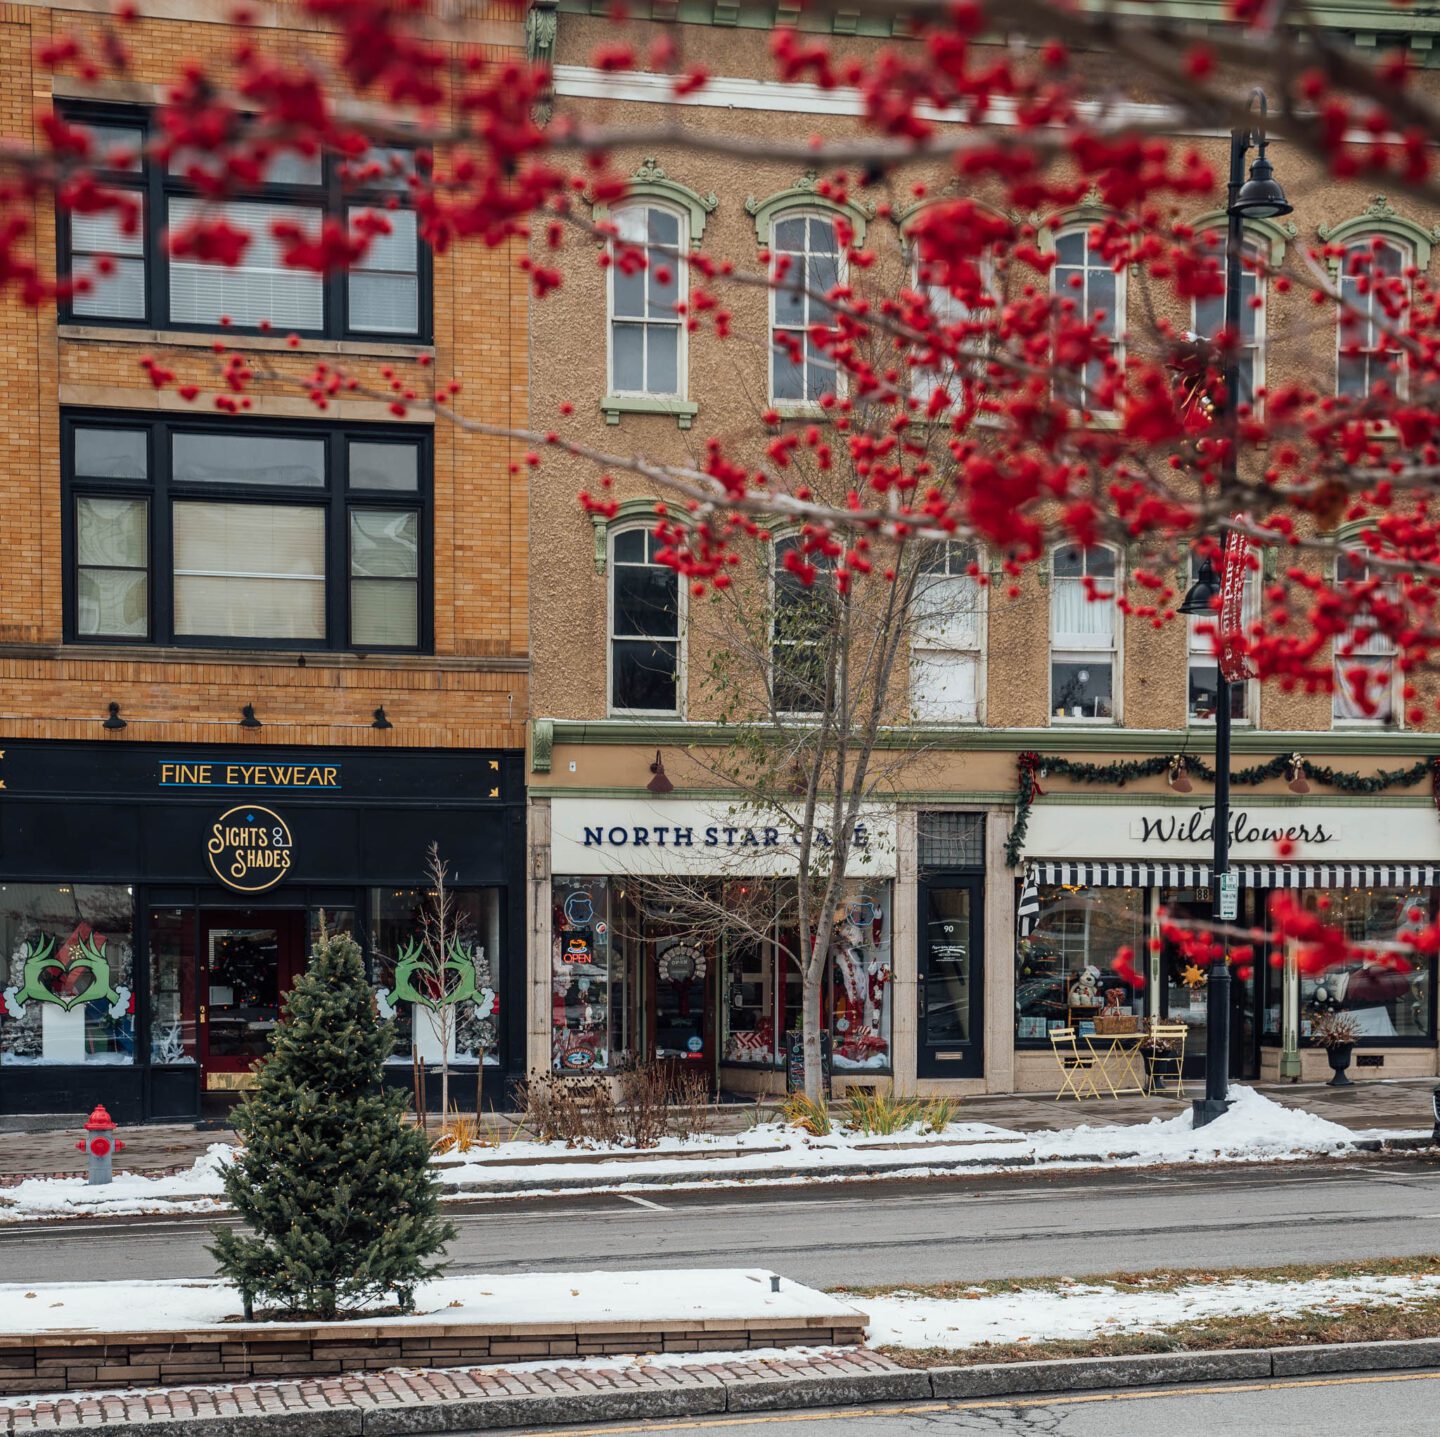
<point x="936" y="986"/>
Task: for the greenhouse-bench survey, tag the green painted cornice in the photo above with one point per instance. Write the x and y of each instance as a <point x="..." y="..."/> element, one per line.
<point x="1353" y="742"/>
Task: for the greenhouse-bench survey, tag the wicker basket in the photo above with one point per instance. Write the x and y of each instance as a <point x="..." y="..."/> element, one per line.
<point x="1112" y="1023"/>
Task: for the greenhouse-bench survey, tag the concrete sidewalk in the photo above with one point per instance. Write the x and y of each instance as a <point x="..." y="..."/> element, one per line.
<point x="1399" y="1104"/>
<point x="487" y="1399"/>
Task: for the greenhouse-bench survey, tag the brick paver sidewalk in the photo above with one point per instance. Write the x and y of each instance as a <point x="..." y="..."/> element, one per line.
<point x="469" y="1399"/>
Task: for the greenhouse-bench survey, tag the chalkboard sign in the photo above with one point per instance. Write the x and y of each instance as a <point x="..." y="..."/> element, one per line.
<point x="795" y="1062"/>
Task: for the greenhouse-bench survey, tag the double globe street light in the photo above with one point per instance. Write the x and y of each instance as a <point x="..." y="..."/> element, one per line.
<point x="1259" y="197"/>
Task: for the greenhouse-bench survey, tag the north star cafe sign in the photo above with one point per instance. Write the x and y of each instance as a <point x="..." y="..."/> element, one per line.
<point x="667" y="836"/>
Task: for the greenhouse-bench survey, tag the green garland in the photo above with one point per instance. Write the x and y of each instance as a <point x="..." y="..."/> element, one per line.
<point x="1117" y="775"/>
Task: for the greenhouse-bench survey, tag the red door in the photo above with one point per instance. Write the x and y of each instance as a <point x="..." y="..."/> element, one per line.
<point x="248" y="960"/>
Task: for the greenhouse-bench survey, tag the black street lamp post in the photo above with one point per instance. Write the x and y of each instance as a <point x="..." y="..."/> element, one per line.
<point x="1259" y="197"/>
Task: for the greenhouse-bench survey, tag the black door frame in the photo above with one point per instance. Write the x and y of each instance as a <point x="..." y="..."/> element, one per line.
<point x="927" y="1062"/>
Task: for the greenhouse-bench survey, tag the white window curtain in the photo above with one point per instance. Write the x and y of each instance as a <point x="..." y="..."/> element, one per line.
<point x="120" y="294"/>
<point x="112" y="558"/>
<point x="249" y="571"/>
<point x="384" y="577"/>
<point x="385" y="285"/>
<point x="1077" y="621"/>
<point x="262" y="287"/>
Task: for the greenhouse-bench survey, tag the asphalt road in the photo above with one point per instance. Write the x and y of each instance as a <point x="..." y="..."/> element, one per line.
<point x="1396" y="1404"/>
<point x="1030" y="1224"/>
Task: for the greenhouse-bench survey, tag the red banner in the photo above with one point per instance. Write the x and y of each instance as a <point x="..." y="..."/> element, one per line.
<point x="1234" y="661"/>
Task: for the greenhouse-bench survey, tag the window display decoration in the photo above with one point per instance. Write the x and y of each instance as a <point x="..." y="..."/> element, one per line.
<point x="1193" y="976"/>
<point x="47" y="978"/>
<point x="1032" y="766"/>
<point x="861" y="975"/>
<point x="416" y="980"/>
<point x="683" y="963"/>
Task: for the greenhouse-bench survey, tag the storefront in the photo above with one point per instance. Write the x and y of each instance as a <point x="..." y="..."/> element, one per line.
<point x="156" y="903"/>
<point x="673" y="934"/>
<point x="1102" y="879"/>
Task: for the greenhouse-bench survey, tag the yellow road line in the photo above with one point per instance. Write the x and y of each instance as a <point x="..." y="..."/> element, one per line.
<point x="740" y="1419"/>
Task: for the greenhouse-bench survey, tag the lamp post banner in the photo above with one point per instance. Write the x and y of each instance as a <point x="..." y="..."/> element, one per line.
<point x="1234" y="662"/>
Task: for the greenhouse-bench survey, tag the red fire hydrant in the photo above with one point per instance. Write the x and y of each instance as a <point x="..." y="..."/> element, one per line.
<point x="99" y="1147"/>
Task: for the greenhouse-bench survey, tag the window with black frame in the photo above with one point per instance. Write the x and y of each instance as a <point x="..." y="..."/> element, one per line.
<point x="126" y="276"/>
<point x="303" y="536"/>
<point x="644" y="626"/>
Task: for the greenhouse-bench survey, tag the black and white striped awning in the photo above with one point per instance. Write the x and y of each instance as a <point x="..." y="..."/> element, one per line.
<point x="1251" y="875"/>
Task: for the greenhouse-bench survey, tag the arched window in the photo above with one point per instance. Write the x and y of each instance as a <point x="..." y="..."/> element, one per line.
<point x="1203" y="679"/>
<point x="1209" y="313"/>
<point x="1365" y="674"/>
<point x="1376" y="292"/>
<point x="949" y="312"/>
<point x="806" y="264"/>
<point x="947" y="660"/>
<point x="1084" y="653"/>
<point x="802" y="625"/>
<point x="647" y="282"/>
<point x="1084" y="277"/>
<point x="645" y="600"/>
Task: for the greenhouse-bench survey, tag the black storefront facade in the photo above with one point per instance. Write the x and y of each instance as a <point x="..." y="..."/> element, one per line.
<point x="156" y="902"/>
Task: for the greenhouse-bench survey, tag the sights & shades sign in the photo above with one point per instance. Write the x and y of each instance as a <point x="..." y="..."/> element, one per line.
<point x="249" y="848"/>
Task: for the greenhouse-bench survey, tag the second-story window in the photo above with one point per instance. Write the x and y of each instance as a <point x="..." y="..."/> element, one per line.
<point x="805" y="266"/>
<point x="1204" y="668"/>
<point x="947" y="661"/>
<point x="1083" y="625"/>
<point x="647" y="282"/>
<point x="802" y="630"/>
<point x="201" y="533"/>
<point x="1364" y="691"/>
<point x="132" y="279"/>
<point x="1377" y="296"/>
<point x="1089" y="290"/>
<point x="948" y="313"/>
<point x="1210" y="317"/>
<point x="644" y="627"/>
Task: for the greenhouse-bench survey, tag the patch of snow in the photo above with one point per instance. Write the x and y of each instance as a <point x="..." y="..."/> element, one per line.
<point x="1084" y="1310"/>
<point x="1255" y="1129"/>
<point x="536" y="1297"/>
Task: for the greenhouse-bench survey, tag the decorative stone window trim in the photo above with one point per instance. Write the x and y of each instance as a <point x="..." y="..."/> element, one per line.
<point x="629" y="511"/>
<point x="803" y="195"/>
<point x="1271" y="236"/>
<point x="1379" y="217"/>
<point x="614" y="405"/>
<point x="651" y="182"/>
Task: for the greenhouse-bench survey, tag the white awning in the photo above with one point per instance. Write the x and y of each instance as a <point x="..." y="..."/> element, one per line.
<point x="1251" y="875"/>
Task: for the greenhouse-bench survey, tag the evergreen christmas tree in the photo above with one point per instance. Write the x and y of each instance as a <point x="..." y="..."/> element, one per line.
<point x="334" y="1184"/>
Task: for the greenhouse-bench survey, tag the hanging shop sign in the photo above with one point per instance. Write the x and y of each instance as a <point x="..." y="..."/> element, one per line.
<point x="249" y="848"/>
<point x="1402" y="833"/>
<point x="682" y="963"/>
<point x="718" y="837"/>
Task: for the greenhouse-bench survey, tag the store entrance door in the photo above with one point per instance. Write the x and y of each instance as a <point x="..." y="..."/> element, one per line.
<point x="682" y="1010"/>
<point x="1185" y="1002"/>
<point x="950" y="981"/>
<point x="248" y="960"/>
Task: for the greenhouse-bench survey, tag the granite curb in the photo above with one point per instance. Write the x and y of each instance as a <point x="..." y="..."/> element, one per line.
<point x="702" y="1394"/>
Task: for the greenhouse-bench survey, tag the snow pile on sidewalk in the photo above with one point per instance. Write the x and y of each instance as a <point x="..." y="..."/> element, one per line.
<point x="1255" y="1129"/>
<point x="197" y="1189"/>
<point x="1085" y="1310"/>
<point x="546" y="1298"/>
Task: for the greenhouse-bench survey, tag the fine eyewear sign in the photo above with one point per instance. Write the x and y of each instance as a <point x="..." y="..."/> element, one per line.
<point x="249" y="848"/>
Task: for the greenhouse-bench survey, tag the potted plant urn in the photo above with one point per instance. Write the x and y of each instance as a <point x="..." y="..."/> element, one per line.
<point x="1336" y="1033"/>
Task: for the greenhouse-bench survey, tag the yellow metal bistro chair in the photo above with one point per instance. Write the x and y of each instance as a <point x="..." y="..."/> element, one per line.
<point x="1169" y="1067"/>
<point x="1077" y="1069"/>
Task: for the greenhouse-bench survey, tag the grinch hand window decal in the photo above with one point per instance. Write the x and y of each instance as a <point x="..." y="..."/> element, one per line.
<point x="66" y="991"/>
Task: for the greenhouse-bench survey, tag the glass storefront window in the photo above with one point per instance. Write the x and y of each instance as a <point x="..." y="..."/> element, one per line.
<point x="748" y="1002"/>
<point x="861" y="979"/>
<point x="580" y="997"/>
<point x="172" y="985"/>
<point x="1385" y="1004"/>
<point x="1063" y="970"/>
<point x="454" y="1012"/>
<point x="68" y="990"/>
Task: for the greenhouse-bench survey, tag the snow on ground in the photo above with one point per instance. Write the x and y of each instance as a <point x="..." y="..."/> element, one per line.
<point x="1084" y="1310"/>
<point x="534" y="1297"/>
<point x="1256" y="1129"/>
